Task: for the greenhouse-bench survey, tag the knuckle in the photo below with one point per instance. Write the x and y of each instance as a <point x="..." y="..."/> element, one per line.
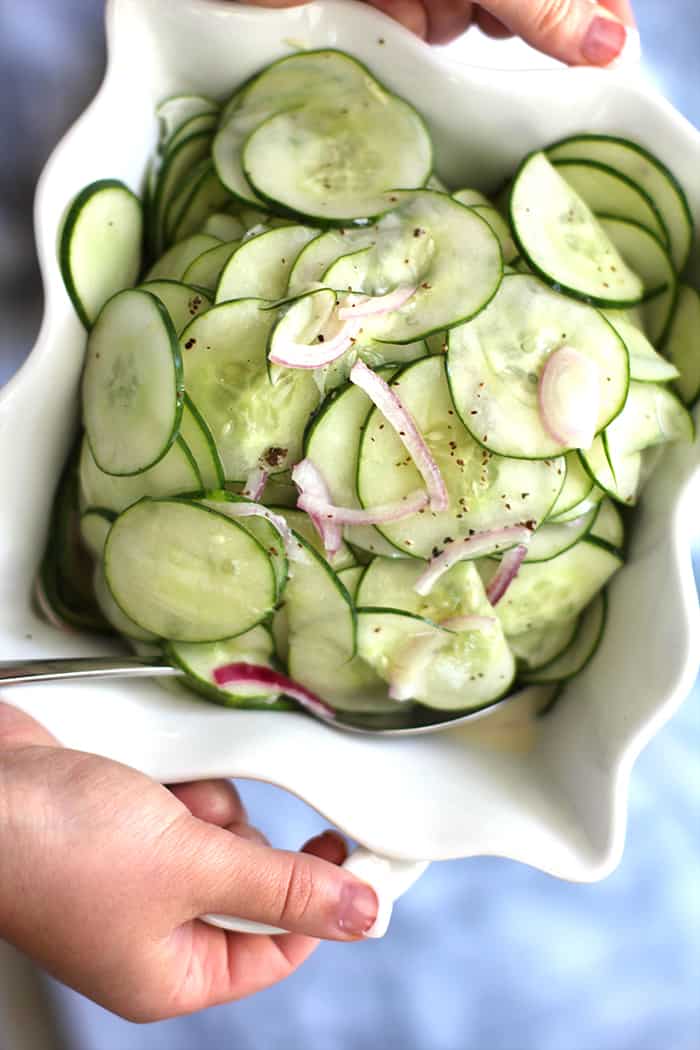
<point x="297" y="892"/>
<point x="551" y="16"/>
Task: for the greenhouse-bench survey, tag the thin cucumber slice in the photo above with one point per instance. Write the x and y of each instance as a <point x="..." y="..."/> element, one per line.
<point x="646" y="364"/>
<point x="442" y="669"/>
<point x="334" y="159"/>
<point x="182" y="301"/>
<point x="552" y="592"/>
<point x="683" y="344"/>
<point x="552" y="539"/>
<point x="472" y="198"/>
<point x="253" y="417"/>
<point x="111" y="611"/>
<point x="647" y="256"/>
<point x="207" y="268"/>
<point x="535" y="649"/>
<point x="132" y="384"/>
<point x="577" y="486"/>
<point x="501" y="228"/>
<point x="176" y="472"/>
<point x="494" y="363"/>
<point x="653" y="415"/>
<point x="430" y="242"/>
<point x="632" y="160"/>
<point x="224" y="584"/>
<point x="562" y="240"/>
<point x="175" y="111"/>
<point x="260" y="267"/>
<point x="196" y="433"/>
<point x="350" y="578"/>
<point x="224" y="226"/>
<point x="175" y="172"/>
<point x="176" y="261"/>
<point x="263" y="531"/>
<point x="199" y="660"/>
<point x="95" y="524"/>
<point x="320" y="253"/>
<point x="580" y="652"/>
<point x="205" y="198"/>
<point x="303" y="526"/>
<point x="485" y="491"/>
<point x="608" y="526"/>
<point x="607" y="192"/>
<point x="592" y="500"/>
<point x="100" y="248"/>
<point x="196" y="124"/>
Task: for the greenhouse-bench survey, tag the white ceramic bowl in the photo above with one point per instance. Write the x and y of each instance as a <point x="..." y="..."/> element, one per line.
<point x="557" y="800"/>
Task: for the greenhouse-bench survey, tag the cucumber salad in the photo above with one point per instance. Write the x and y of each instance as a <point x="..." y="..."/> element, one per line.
<point x="351" y="436"/>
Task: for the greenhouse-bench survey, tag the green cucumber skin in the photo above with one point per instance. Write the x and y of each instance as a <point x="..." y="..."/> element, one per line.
<point x="71" y="219"/>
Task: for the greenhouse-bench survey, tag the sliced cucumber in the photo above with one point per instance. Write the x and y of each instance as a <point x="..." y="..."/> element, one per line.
<point x="182" y="302"/>
<point x="438" y="667"/>
<point x="250" y="415"/>
<point x="647" y="256"/>
<point x="112" y="612"/>
<point x="485" y="491"/>
<point x="174" y="473"/>
<point x="195" y="125"/>
<point x="175" y="111"/>
<point x="201" y="444"/>
<point x="100" y="249"/>
<point x="303" y="526"/>
<point x="608" y="526"/>
<point x="593" y="499"/>
<point x="577" y="486"/>
<point x="333" y="160"/>
<point x="494" y="363"/>
<point x="472" y="198"/>
<point x="207" y="268"/>
<point x="608" y="192"/>
<point x="200" y="659"/>
<point x="646" y="364"/>
<point x="350" y="578"/>
<point x="175" y="172"/>
<point x="683" y="344"/>
<point x="632" y="160"/>
<point x="535" y="649"/>
<point x="191" y="209"/>
<point x="176" y="261"/>
<point x="95" y="524"/>
<point x="225" y="583"/>
<point x="562" y="240"/>
<point x="320" y="253"/>
<point x="652" y="416"/>
<point x="552" y="592"/>
<point x="132" y="384"/>
<point x="260" y="267"/>
<point x="431" y="242"/>
<point x="501" y="228"/>
<point x="224" y="226"/>
<point x="580" y="652"/>
<point x="551" y="540"/>
<point x="263" y="530"/>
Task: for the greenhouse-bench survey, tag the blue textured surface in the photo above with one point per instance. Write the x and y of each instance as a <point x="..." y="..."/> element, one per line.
<point x="482" y="954"/>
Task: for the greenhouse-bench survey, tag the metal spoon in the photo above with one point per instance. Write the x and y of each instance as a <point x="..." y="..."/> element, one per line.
<point x="407" y="719"/>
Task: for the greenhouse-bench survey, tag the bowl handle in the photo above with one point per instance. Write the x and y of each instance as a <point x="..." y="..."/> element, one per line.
<point x="389" y="878"/>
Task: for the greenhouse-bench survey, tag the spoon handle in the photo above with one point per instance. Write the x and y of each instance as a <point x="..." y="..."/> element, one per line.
<point x="22" y="672"/>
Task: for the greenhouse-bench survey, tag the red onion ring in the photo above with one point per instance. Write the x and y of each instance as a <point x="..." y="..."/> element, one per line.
<point x="569" y="398"/>
<point x="266" y="678"/>
<point x="476" y="546"/>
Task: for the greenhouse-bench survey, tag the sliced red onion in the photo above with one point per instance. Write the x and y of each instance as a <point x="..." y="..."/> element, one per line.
<point x="476" y="546"/>
<point x="303" y="355"/>
<point x="569" y="398"/>
<point x="311" y="484"/>
<point x="469" y="623"/>
<point x="413" y="659"/>
<point x="255" y="484"/>
<point x="389" y="404"/>
<point x="506" y="573"/>
<point x="267" y="679"/>
<point x="375" y="305"/>
<point x="292" y="548"/>
<point x="387" y="512"/>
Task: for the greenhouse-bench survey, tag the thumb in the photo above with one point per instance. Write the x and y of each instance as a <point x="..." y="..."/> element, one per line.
<point x="299" y="892"/>
<point x="580" y="32"/>
<point x="18" y="729"/>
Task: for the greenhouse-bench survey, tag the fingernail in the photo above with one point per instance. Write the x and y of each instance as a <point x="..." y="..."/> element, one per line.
<point x="358" y="908"/>
<point x="604" y="41"/>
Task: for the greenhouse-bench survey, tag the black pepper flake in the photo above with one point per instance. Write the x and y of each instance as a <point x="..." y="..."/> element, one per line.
<point x="274" y="456"/>
<point x="426" y="285"/>
<point x="190" y="343"/>
<point x="321" y="337"/>
<point x="460" y="462"/>
<point x="436" y="552"/>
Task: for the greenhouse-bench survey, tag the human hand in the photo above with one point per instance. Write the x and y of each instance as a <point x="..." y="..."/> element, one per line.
<point x="579" y="32"/>
<point x="103" y="873"/>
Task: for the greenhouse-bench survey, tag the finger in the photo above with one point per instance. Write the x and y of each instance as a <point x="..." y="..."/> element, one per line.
<point x="301" y="893"/>
<point x="491" y="26"/>
<point x="18" y="729"/>
<point x="328" y="846"/>
<point x="248" y="832"/>
<point x="215" y="801"/>
<point x="576" y="31"/>
<point x="410" y="13"/>
<point x="448" y="19"/>
<point x="623" y="10"/>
